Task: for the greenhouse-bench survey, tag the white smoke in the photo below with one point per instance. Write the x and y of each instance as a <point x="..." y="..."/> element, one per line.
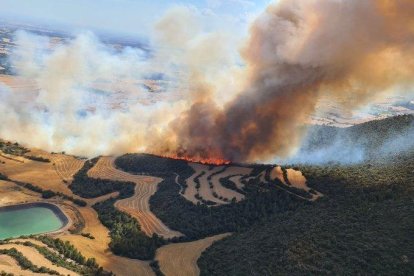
<point x="88" y="98"/>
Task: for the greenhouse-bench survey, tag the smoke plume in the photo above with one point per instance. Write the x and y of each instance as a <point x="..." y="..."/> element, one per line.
<point x="296" y="52"/>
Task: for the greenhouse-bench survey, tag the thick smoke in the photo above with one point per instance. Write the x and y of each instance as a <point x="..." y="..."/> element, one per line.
<point x="297" y="51"/>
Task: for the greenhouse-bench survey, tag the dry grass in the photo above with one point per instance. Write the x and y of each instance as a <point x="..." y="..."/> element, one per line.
<point x="137" y="205"/>
<point x="36" y="258"/>
<point x="10" y="265"/>
<point x="66" y="166"/>
<point x="277" y="173"/>
<point x="209" y="179"/>
<point x="98" y="248"/>
<point x="93" y="201"/>
<point x="205" y="191"/>
<point x="298" y="180"/>
<point x="11" y="194"/>
<point x="40" y="174"/>
<point x="180" y="259"/>
<point x="191" y="190"/>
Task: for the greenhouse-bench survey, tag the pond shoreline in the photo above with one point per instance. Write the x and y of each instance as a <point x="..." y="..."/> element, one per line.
<point x="57" y="211"/>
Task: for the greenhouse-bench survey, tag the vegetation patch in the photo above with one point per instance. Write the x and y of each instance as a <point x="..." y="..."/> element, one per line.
<point x="127" y="239"/>
<point x="364" y="223"/>
<point x="88" y="187"/>
<point x="25" y="263"/>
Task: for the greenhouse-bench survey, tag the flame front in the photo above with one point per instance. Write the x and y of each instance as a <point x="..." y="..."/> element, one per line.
<point x="205" y="161"/>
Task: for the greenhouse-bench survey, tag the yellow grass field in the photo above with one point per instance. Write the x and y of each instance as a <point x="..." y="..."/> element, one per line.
<point x="10" y="265"/>
<point x="10" y="193"/>
<point x="98" y="248"/>
<point x="137" y="205"/>
<point x="66" y="166"/>
<point x="40" y="174"/>
<point x="36" y="258"/>
<point x="298" y="180"/>
<point x="180" y="259"/>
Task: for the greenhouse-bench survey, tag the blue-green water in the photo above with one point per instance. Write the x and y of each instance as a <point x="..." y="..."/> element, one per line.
<point x="26" y="221"/>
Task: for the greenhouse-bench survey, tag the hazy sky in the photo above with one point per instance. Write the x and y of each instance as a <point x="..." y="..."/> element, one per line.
<point x="133" y="17"/>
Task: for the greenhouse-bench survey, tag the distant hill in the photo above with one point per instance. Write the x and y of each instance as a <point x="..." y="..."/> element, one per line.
<point x="371" y="141"/>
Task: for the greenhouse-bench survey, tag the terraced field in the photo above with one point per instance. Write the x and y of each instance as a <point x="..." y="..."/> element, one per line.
<point x="36" y="258"/>
<point x="41" y="174"/>
<point x="137" y="205"/>
<point x="180" y="259"/>
<point x="98" y="247"/>
<point x="66" y="166"/>
<point x="205" y="185"/>
<point x="10" y="265"/>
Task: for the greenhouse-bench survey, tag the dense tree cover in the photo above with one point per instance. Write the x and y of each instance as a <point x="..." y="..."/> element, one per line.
<point x="88" y="187"/>
<point x="197" y="221"/>
<point x="153" y="165"/>
<point x="364" y="224"/>
<point x="155" y="266"/>
<point x="127" y="239"/>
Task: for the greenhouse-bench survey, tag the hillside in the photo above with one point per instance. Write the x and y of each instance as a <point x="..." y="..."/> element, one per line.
<point x="369" y="141"/>
<point x="364" y="224"/>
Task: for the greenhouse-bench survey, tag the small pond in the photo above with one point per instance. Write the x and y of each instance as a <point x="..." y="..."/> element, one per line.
<point x="32" y="218"/>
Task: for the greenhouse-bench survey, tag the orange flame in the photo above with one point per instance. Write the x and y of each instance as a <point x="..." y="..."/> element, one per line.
<point x="205" y="161"/>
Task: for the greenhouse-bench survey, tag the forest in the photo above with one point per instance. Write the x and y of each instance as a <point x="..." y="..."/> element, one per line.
<point x="364" y="223"/>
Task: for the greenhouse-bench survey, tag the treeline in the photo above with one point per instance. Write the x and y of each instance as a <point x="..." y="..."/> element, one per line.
<point x="127" y="239"/>
<point x="153" y="165"/>
<point x="197" y="221"/>
<point x="88" y="187"/>
<point x="67" y="250"/>
<point x="46" y="194"/>
<point x="37" y="158"/>
<point x="25" y="263"/>
<point x="67" y="255"/>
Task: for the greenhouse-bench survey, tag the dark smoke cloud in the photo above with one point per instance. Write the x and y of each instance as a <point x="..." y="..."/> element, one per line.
<point x="299" y="50"/>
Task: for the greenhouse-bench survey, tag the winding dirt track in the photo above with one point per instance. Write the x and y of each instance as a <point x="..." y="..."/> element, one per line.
<point x="137" y="205"/>
<point x="180" y="259"/>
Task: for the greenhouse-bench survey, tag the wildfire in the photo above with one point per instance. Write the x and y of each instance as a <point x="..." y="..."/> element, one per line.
<point x="205" y="161"/>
